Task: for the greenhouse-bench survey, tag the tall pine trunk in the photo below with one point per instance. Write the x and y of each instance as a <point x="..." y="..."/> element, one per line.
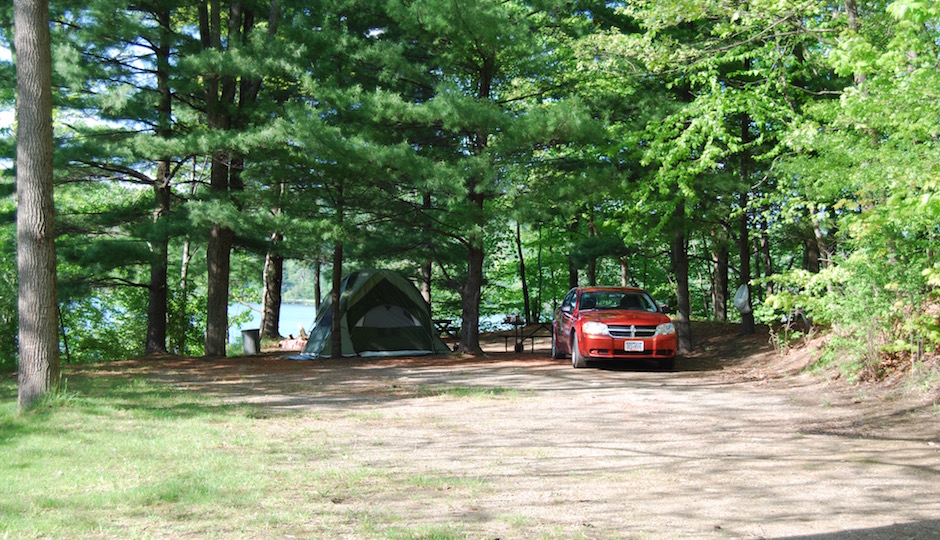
<point x="472" y="289"/>
<point x="273" y="277"/>
<point x="624" y="270"/>
<point x="218" y="261"/>
<point x="744" y="243"/>
<point x="470" y="301"/>
<point x="572" y="267"/>
<point x="744" y="252"/>
<point x="766" y="260"/>
<point x="720" y="292"/>
<point x="37" y="305"/>
<point x="592" y="261"/>
<point x="158" y="290"/>
<point x="811" y="253"/>
<point x="229" y="99"/>
<point x="426" y="267"/>
<point x="572" y="273"/>
<point x="525" y="285"/>
<point x="219" y="243"/>
<point x="317" y="277"/>
<point x="680" y="262"/>
<point x="336" y="336"/>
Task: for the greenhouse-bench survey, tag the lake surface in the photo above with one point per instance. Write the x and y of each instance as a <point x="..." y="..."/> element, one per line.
<point x="292" y="316"/>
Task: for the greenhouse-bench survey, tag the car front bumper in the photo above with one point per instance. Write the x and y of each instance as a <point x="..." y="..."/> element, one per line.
<point x="594" y="346"/>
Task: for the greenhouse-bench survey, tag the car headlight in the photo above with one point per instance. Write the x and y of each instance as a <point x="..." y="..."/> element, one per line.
<point x="595" y="328"/>
<point x="665" y="329"/>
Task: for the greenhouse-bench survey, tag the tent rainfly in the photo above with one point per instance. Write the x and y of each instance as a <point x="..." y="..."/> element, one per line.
<point x="381" y="314"/>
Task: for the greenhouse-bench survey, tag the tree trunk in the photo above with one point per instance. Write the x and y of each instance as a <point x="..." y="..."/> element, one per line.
<point x="744" y="251"/>
<point x="525" y="285"/>
<point x="720" y="292"/>
<point x="572" y="268"/>
<point x="625" y="271"/>
<point x="158" y="290"/>
<point x="273" y="277"/>
<point x="471" y="290"/>
<point x="470" y="301"/>
<point x="537" y="308"/>
<point x="851" y="9"/>
<point x="336" y="336"/>
<point x="426" y="273"/>
<point x="766" y="259"/>
<point x="744" y="244"/>
<point x="811" y="254"/>
<point x="219" y="245"/>
<point x="823" y="249"/>
<point x="218" y="263"/>
<point x="592" y="263"/>
<point x="38" y="371"/>
<point x="227" y="99"/>
<point x="680" y="261"/>
<point x="317" y="287"/>
<point x="572" y="273"/>
<point x="181" y="328"/>
<point x="426" y="267"/>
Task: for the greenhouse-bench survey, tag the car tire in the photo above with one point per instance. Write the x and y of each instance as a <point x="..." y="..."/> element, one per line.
<point x="556" y="350"/>
<point x="667" y="365"/>
<point x="577" y="360"/>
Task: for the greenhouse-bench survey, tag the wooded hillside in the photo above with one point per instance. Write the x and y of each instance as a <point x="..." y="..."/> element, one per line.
<point x="497" y="152"/>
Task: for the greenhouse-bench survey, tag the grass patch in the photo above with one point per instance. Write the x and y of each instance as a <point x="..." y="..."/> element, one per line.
<point x="109" y="455"/>
<point x="468" y="392"/>
<point x="121" y="457"/>
<point x="425" y="532"/>
<point x="444" y="483"/>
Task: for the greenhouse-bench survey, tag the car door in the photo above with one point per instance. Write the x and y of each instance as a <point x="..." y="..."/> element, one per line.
<point x="564" y="318"/>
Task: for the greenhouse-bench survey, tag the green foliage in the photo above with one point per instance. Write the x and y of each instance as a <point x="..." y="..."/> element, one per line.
<point x="8" y="298"/>
<point x="426" y="130"/>
<point x="186" y="323"/>
<point x="867" y="167"/>
<point x="106" y="326"/>
<point x="140" y="446"/>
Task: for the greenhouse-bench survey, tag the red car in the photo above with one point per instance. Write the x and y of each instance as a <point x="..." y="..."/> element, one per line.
<point x="612" y="323"/>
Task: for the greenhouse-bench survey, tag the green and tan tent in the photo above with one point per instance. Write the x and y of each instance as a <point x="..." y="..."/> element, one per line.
<point x="382" y="314"/>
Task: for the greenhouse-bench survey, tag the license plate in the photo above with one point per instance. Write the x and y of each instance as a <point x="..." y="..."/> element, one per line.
<point x="633" y="346"/>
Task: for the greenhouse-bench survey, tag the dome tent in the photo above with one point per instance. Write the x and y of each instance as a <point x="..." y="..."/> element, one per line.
<point x="381" y="314"/>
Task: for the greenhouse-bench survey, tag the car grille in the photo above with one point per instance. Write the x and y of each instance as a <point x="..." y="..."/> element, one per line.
<point x="632" y="331"/>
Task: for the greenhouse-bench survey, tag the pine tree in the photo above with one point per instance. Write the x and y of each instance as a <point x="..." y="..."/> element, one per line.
<point x="38" y="371"/>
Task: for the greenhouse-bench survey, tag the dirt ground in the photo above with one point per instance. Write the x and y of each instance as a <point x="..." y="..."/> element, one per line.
<point x="735" y="443"/>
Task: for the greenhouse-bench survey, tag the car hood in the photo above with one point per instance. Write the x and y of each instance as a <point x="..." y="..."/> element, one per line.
<point x="625" y="317"/>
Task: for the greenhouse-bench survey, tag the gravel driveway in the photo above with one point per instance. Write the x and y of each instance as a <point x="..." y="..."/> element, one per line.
<point x="533" y="448"/>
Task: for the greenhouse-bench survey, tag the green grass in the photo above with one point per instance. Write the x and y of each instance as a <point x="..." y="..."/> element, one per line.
<point x="119" y="457"/>
<point x="468" y="392"/>
<point x="110" y="457"/>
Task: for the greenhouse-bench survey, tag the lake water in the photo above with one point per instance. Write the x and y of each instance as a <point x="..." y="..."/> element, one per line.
<point x="292" y="315"/>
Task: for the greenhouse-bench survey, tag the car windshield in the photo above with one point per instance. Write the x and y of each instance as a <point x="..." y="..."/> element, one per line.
<point x="634" y="300"/>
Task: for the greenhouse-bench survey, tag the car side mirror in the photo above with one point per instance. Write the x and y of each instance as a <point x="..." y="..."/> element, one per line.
<point x="567" y="309"/>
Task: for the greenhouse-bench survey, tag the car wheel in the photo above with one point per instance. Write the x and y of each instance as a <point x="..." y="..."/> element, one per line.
<point x="556" y="351"/>
<point x="667" y="365"/>
<point x="577" y="360"/>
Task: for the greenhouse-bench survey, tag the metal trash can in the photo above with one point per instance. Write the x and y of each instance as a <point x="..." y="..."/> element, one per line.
<point x="251" y="340"/>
